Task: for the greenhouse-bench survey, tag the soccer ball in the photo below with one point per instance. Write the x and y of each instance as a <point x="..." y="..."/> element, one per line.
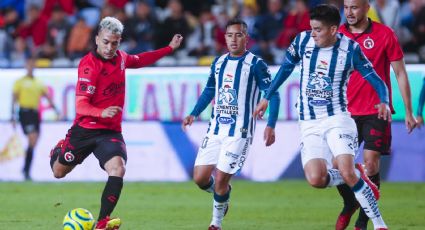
<point x="78" y="219"/>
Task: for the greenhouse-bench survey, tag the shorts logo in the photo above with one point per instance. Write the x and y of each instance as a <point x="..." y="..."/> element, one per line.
<point x="69" y="157"/>
<point x="225" y="120"/>
<point x="319" y="102"/>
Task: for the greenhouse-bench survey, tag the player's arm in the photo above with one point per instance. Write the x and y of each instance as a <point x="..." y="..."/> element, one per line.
<point x="292" y="57"/>
<point x="263" y="78"/>
<point x="363" y="65"/>
<point x="50" y="100"/>
<point x="403" y="83"/>
<point x="13" y="112"/>
<point x="149" y="58"/>
<point x="421" y="103"/>
<point x="206" y="96"/>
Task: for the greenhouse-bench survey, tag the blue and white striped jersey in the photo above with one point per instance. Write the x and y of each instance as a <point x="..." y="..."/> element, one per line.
<point x="324" y="75"/>
<point x="235" y="82"/>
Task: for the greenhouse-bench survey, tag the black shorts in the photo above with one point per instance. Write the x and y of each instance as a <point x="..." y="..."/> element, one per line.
<point x="375" y="132"/>
<point x="30" y="120"/>
<point x="81" y="142"/>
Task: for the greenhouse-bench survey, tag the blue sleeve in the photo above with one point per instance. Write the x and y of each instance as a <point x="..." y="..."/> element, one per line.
<point x="263" y="78"/>
<point x="421" y="100"/>
<point x="292" y="58"/>
<point x="365" y="68"/>
<point x="207" y="94"/>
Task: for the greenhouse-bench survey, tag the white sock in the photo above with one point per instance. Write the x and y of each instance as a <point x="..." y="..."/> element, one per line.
<point x="219" y="208"/>
<point x="335" y="178"/>
<point x="367" y="201"/>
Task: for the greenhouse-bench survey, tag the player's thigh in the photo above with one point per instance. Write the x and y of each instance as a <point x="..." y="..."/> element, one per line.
<point x="233" y="154"/>
<point x="108" y="146"/>
<point x="313" y="144"/>
<point x="377" y="134"/>
<point x="208" y="151"/>
<point x="341" y="136"/>
<point x="79" y="143"/>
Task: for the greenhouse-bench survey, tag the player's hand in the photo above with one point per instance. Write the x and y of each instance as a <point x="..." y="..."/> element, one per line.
<point x="176" y="41"/>
<point x="111" y="111"/>
<point x="384" y="112"/>
<point x="261" y="109"/>
<point x="269" y="136"/>
<point x="187" y="121"/>
<point x="410" y="122"/>
<point x="420" y="121"/>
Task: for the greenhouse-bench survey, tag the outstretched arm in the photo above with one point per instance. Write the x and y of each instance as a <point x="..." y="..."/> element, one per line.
<point x="403" y="83"/>
<point x="421" y="106"/>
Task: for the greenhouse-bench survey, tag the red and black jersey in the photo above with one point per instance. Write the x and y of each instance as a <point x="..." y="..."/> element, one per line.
<point x="380" y="45"/>
<point x="103" y="83"/>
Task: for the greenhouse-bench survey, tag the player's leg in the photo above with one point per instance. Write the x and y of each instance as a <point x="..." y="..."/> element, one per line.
<point x="349" y="200"/>
<point x="205" y="163"/>
<point x="68" y="152"/>
<point x="342" y="141"/>
<point x="112" y="155"/>
<point x="377" y="141"/>
<point x="29" y="153"/>
<point x="233" y="154"/>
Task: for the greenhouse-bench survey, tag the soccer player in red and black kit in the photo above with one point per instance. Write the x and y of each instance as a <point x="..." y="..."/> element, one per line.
<point x="100" y="96"/>
<point x="380" y="45"/>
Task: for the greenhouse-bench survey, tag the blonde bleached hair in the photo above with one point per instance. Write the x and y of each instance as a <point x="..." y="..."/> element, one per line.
<point x="111" y="24"/>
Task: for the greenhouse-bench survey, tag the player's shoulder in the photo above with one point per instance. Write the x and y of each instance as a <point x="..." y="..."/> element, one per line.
<point x="380" y="28"/>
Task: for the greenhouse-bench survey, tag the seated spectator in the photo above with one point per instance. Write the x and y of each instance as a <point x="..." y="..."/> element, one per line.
<point x="140" y="29"/>
<point x="79" y="39"/>
<point x="298" y="20"/>
<point x="34" y="27"/>
<point x="201" y="41"/>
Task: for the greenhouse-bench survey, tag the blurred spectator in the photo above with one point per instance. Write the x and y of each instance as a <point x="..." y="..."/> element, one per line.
<point x="201" y="41"/>
<point x="57" y="34"/>
<point x="220" y="42"/>
<point x="388" y="12"/>
<point x="79" y="39"/>
<point x="16" y="5"/>
<point x="298" y="20"/>
<point x="268" y="27"/>
<point x="19" y="54"/>
<point x="418" y="40"/>
<point x="176" y="23"/>
<point x="34" y="27"/>
<point x="140" y="29"/>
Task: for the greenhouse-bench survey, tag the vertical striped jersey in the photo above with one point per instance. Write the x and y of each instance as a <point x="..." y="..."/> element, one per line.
<point x="235" y="83"/>
<point x="324" y="74"/>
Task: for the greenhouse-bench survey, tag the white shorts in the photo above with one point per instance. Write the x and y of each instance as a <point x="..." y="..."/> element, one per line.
<point x="227" y="153"/>
<point x="327" y="138"/>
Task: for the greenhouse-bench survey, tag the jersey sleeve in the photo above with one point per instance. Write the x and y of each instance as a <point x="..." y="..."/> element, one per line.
<point x="262" y="75"/>
<point x="16" y="86"/>
<point x="87" y="78"/>
<point x="207" y="94"/>
<point x="147" y="58"/>
<point x="393" y="50"/>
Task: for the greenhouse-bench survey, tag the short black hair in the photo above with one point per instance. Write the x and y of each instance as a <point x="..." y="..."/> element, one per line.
<point x="237" y="21"/>
<point x="327" y="14"/>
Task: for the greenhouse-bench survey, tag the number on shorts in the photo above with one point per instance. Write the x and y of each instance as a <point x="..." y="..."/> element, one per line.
<point x="204" y="143"/>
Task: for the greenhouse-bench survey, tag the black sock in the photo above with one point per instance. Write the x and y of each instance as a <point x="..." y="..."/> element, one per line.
<point x="28" y="160"/>
<point x="350" y="201"/>
<point x="110" y="196"/>
<point x="363" y="218"/>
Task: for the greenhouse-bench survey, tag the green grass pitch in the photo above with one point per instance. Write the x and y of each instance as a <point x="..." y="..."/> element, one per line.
<point x="151" y="205"/>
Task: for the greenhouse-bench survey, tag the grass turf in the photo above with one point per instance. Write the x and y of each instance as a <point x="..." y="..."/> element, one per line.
<point x="266" y="206"/>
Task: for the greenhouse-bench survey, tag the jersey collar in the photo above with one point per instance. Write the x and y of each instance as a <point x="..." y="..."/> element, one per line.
<point x="112" y="60"/>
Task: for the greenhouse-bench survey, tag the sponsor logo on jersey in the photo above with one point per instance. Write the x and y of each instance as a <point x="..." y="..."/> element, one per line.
<point x="84" y="79"/>
<point x="225" y="120"/>
<point x="228" y="78"/>
<point x="227" y="101"/>
<point x="319" y="102"/>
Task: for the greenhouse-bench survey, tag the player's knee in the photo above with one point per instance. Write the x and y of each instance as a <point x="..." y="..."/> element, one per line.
<point x="349" y="177"/>
<point x="58" y="173"/>
<point x="372" y="167"/>
<point x="117" y="170"/>
<point x="317" y="180"/>
<point x="201" y="180"/>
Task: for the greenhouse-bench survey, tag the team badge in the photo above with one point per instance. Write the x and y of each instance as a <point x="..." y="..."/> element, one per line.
<point x="69" y="157"/>
<point x="368" y="43"/>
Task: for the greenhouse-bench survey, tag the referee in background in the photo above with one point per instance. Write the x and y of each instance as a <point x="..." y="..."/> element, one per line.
<point x="27" y="92"/>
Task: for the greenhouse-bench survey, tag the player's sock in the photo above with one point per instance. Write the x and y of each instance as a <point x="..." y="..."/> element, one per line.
<point x="210" y="186"/>
<point x="219" y="208"/>
<point x="362" y="220"/>
<point x="28" y="160"/>
<point x="110" y="196"/>
<point x="367" y="201"/>
<point x="334" y="178"/>
<point x="350" y="202"/>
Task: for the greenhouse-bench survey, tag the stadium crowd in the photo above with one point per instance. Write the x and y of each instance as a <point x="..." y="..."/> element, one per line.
<point x="59" y="32"/>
